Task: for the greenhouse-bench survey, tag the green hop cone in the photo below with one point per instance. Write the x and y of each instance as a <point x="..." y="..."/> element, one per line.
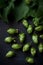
<point x="26" y="47"/>
<point x="29" y="60"/>
<point x="40" y="47"/>
<point x="27" y="1"/>
<point x="12" y="31"/>
<point x="36" y="21"/>
<point x="16" y="46"/>
<point x="35" y="38"/>
<point x="8" y="39"/>
<point x="25" y="23"/>
<point x="10" y="54"/>
<point x="30" y="29"/>
<point x="33" y="51"/>
<point x="41" y="36"/>
<point x="39" y="28"/>
<point x="22" y="37"/>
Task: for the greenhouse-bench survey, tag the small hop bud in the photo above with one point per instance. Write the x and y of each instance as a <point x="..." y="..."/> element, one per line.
<point x="33" y="51"/>
<point x="41" y="36"/>
<point x="36" y="21"/>
<point x="16" y="46"/>
<point x="40" y="47"/>
<point x="25" y="23"/>
<point x="8" y="39"/>
<point x="10" y="54"/>
<point x="39" y="28"/>
<point x="26" y="47"/>
<point x="21" y="37"/>
<point x="12" y="31"/>
<point x="30" y="29"/>
<point x="35" y="38"/>
<point x="29" y="59"/>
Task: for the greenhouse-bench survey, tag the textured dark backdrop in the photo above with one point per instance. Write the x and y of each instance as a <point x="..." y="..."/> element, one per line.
<point x="4" y="48"/>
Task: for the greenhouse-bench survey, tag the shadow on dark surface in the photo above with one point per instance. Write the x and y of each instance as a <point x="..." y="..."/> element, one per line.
<point x="20" y="56"/>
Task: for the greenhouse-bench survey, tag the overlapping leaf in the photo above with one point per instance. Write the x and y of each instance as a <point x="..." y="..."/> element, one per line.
<point x="22" y="10"/>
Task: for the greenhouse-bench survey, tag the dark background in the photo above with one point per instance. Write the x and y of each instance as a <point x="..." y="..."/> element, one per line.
<point x="19" y="59"/>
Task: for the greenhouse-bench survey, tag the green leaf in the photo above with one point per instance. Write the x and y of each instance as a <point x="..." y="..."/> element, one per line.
<point x="21" y="11"/>
<point x="2" y="3"/>
<point x="31" y="13"/>
<point x="40" y="9"/>
<point x="39" y="12"/>
<point x="7" y="10"/>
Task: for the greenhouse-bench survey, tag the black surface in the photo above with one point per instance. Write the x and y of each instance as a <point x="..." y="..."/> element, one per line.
<point x="20" y="56"/>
